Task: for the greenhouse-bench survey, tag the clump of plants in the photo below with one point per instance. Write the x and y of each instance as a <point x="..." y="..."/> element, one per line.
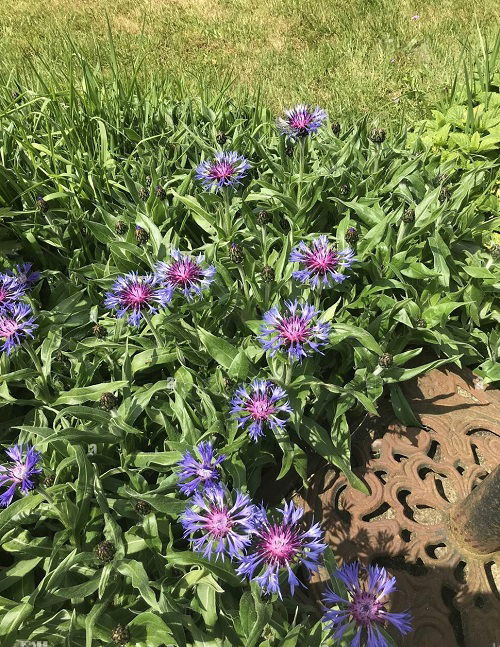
<point x="166" y="351"/>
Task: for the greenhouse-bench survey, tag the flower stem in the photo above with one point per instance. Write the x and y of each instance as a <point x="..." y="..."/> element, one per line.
<point x="227" y="223"/>
<point x="153" y="329"/>
<point x="301" y="172"/>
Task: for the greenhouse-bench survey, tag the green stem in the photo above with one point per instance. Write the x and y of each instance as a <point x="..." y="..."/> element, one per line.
<point x="157" y="337"/>
<point x="301" y="172"/>
<point x="244" y="284"/>
<point x="227" y="222"/>
<point x="263" y="231"/>
<point x="34" y="358"/>
<point x="288" y="373"/>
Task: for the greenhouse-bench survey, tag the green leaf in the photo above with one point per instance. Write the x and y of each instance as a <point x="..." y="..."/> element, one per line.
<point x="221" y="350"/>
<point x="86" y="393"/>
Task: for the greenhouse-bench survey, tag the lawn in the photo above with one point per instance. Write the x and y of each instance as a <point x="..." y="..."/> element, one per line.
<point x="387" y="60"/>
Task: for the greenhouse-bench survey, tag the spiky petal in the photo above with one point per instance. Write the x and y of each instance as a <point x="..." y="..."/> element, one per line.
<point x="227" y="169"/>
<point x="259" y="406"/>
<point x="11" y="289"/>
<point x="364" y="608"/>
<point x="321" y="263"/>
<point x="133" y="295"/>
<point x="298" y="332"/>
<point x="278" y="547"/>
<point x="185" y="273"/>
<point x="19" y="474"/>
<point x="24" y="275"/>
<point x="301" y="121"/>
<point x="218" y="526"/>
<point x="202" y="473"/>
<point x="16" y="323"/>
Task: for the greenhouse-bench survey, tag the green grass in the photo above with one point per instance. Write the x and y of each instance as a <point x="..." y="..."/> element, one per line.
<point x="358" y="57"/>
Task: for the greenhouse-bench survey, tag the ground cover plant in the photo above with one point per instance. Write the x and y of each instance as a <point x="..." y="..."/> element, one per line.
<point x="196" y="295"/>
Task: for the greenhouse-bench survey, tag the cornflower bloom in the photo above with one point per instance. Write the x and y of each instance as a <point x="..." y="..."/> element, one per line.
<point x="11" y="289"/>
<point x="278" y="547"/>
<point x="24" y="276"/>
<point x="298" y="333"/>
<point x="200" y="474"/>
<point x="133" y="295"/>
<point x="20" y="473"/>
<point x="185" y="273"/>
<point x="259" y="407"/>
<point x="321" y="262"/>
<point x="216" y="525"/>
<point x="364" y="608"/>
<point x="16" y="323"/>
<point x="301" y="121"/>
<point x="227" y="169"/>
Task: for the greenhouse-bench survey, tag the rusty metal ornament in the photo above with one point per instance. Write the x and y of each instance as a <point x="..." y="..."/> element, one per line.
<point x="411" y="522"/>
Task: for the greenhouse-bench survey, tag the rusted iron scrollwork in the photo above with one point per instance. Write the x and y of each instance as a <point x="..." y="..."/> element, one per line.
<point x="420" y="519"/>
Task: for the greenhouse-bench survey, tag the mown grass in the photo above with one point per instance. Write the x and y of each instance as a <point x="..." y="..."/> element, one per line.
<point x="358" y="57"/>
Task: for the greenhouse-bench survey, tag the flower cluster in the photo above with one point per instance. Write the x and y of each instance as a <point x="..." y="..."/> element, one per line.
<point x="220" y="524"/>
<point x="135" y="296"/>
<point x="16" y="317"/>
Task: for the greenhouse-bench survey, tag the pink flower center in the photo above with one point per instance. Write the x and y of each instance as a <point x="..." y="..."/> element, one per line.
<point x="364" y="608"/>
<point x="294" y="329"/>
<point x="3" y="295"/>
<point x="279" y="544"/>
<point x="137" y="295"/>
<point x="8" y="327"/>
<point x="205" y="473"/>
<point x="322" y="260"/>
<point x="300" y="120"/>
<point x="221" y="170"/>
<point x="183" y="272"/>
<point x="218" y="522"/>
<point x="19" y="472"/>
<point x="260" y="407"/>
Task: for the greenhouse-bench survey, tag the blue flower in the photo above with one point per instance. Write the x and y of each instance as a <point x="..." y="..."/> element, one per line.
<point x="20" y="473"/>
<point x="24" y="276"/>
<point x="364" y="610"/>
<point x="133" y="295"/>
<point x="277" y="547"/>
<point x="227" y="169"/>
<point x="301" y="121"/>
<point x="216" y="525"/>
<point x="203" y="474"/>
<point x="298" y="333"/>
<point x="16" y="323"/>
<point x="259" y="407"/>
<point x="186" y="274"/>
<point x="11" y="289"/>
<point x="321" y="262"/>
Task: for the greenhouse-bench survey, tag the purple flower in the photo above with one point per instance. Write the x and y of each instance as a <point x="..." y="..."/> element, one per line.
<point x="186" y="274"/>
<point x="11" y="289"/>
<point x="226" y="170"/>
<point x="24" y="276"/>
<point x="298" y="333"/>
<point x="278" y="547"/>
<point x="259" y="407"/>
<point x="133" y="294"/>
<point x="217" y="525"/>
<point x="364" y="609"/>
<point x="203" y="474"/>
<point x="20" y="473"/>
<point x="301" y="121"/>
<point x="16" y="323"/>
<point x="321" y="262"/>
